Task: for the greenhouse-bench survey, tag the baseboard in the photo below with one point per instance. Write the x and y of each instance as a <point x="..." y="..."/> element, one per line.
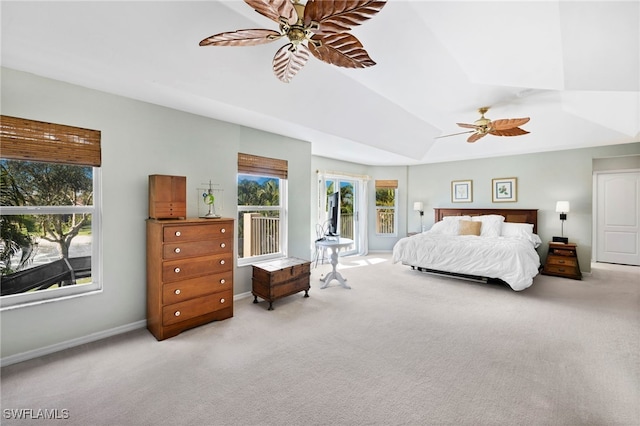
<point x="47" y="350"/>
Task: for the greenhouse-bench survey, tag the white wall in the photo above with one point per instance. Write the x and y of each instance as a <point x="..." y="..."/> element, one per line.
<point x="138" y="139"/>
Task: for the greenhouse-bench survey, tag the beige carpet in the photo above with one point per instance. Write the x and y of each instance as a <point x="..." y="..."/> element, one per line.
<point x="400" y="348"/>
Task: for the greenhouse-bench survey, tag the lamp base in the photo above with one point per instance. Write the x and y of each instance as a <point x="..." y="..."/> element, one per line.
<point x="564" y="240"/>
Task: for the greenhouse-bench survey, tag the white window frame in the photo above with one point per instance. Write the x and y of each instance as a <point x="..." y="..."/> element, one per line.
<point x="14" y="301"/>
<point x="395" y="215"/>
<point x="284" y="222"/>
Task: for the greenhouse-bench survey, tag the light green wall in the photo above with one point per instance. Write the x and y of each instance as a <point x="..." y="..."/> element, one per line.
<point x="543" y="179"/>
<point x="138" y="139"/>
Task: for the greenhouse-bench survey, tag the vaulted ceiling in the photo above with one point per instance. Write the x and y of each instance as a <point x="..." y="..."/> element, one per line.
<point x="572" y="66"/>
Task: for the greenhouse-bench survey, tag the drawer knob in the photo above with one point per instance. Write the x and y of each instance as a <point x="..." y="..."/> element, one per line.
<point x="177" y="250"/>
<point x="223" y="230"/>
<point x="223" y="245"/>
<point x="177" y="291"/>
<point x="177" y="270"/>
<point x="221" y="300"/>
<point x="222" y="281"/>
<point x="178" y="233"/>
<point x="177" y="313"/>
<point x="222" y="262"/>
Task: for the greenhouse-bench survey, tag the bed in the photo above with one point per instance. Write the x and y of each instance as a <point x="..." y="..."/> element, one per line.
<point x="477" y="244"/>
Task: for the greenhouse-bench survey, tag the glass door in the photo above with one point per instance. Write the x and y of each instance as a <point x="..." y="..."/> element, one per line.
<point x="348" y="211"/>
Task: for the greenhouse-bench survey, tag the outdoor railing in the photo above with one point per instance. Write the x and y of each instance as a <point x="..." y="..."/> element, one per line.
<point x="385" y="220"/>
<point x="261" y="234"/>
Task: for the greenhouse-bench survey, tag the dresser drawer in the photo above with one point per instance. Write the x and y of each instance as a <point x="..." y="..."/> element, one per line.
<point x="562" y="261"/>
<point x="196" y="248"/>
<point x="193" y="308"/>
<point x="180" y="291"/>
<point x="181" y="269"/>
<point x="184" y="232"/>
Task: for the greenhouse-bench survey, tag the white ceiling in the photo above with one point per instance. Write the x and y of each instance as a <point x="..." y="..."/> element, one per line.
<point x="572" y="66"/>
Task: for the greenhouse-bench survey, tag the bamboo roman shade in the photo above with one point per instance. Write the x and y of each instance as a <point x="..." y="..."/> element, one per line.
<point x="387" y="184"/>
<point x="256" y="165"/>
<point x="30" y="140"/>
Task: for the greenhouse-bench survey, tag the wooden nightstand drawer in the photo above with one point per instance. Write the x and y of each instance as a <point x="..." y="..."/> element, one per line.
<point x="562" y="261"/>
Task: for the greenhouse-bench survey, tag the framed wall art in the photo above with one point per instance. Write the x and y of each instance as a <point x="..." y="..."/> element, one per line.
<point x="505" y="190"/>
<point x="461" y="191"/>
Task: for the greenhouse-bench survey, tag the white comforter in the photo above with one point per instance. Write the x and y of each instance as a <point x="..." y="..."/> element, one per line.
<point x="513" y="260"/>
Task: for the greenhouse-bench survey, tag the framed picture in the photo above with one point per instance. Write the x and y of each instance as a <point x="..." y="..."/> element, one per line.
<point x="461" y="191"/>
<point x="505" y="190"/>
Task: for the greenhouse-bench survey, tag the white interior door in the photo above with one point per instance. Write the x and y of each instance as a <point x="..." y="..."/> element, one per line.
<point x="618" y="217"/>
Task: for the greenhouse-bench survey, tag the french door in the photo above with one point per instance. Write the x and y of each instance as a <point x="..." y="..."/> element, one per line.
<point x="348" y="211"/>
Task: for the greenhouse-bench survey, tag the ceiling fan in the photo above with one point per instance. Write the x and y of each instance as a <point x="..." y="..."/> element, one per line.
<point x="318" y="27"/>
<point x="483" y="126"/>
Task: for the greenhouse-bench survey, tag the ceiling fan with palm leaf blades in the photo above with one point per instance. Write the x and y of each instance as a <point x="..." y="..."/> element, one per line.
<point x="483" y="126"/>
<point x="318" y="27"/>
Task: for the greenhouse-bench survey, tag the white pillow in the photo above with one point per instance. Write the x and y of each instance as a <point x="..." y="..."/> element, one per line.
<point x="521" y="230"/>
<point x="491" y="224"/>
<point x="449" y="225"/>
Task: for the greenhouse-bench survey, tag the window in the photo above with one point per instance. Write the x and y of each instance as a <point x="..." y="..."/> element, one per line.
<point x="262" y="201"/>
<point x="49" y="222"/>
<point x="386" y="204"/>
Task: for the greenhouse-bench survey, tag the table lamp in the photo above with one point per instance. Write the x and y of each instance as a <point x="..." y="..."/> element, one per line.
<point x="562" y="207"/>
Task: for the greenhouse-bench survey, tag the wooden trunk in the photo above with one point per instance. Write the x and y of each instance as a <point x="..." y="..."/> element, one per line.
<point x="280" y="278"/>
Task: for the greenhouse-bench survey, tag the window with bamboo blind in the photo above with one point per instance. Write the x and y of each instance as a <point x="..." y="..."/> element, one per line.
<point x="386" y="207"/>
<point x="262" y="195"/>
<point x="50" y="207"/>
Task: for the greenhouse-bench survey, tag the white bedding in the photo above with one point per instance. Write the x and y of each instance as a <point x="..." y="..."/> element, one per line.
<point x="513" y="260"/>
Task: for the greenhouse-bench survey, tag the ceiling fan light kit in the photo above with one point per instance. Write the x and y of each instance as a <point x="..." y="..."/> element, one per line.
<point x="484" y="126"/>
<point x="318" y="27"/>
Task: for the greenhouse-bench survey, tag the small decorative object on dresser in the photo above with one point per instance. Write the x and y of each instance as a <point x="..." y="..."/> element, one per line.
<point x="280" y="278"/>
<point x="562" y="261"/>
<point x="189" y="274"/>
<point x="167" y="197"/>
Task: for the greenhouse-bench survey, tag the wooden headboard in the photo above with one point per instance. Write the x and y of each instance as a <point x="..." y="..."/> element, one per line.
<point x="511" y="215"/>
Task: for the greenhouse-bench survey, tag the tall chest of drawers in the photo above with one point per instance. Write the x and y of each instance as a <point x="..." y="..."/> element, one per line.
<point x="189" y="274"/>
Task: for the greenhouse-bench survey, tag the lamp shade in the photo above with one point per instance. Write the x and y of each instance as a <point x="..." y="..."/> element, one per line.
<point x="418" y="206"/>
<point x="562" y="207"/>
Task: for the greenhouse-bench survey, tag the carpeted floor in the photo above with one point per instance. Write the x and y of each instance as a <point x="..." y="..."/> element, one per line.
<point x="400" y="348"/>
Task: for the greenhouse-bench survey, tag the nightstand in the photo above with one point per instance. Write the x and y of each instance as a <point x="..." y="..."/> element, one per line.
<point x="562" y="261"/>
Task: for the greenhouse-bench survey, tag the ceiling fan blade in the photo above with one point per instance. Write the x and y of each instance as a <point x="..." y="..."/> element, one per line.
<point x="515" y="131"/>
<point x="342" y="50"/>
<point x="274" y="9"/>
<point x="508" y="123"/>
<point x="475" y="137"/>
<point x="340" y="16"/>
<point x="288" y="61"/>
<point x="241" y="38"/>
<point x="467" y="126"/>
<point x="455" y="134"/>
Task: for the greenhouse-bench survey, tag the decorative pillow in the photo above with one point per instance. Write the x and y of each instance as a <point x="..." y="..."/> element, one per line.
<point x="491" y="224"/>
<point x="469" y="227"/>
